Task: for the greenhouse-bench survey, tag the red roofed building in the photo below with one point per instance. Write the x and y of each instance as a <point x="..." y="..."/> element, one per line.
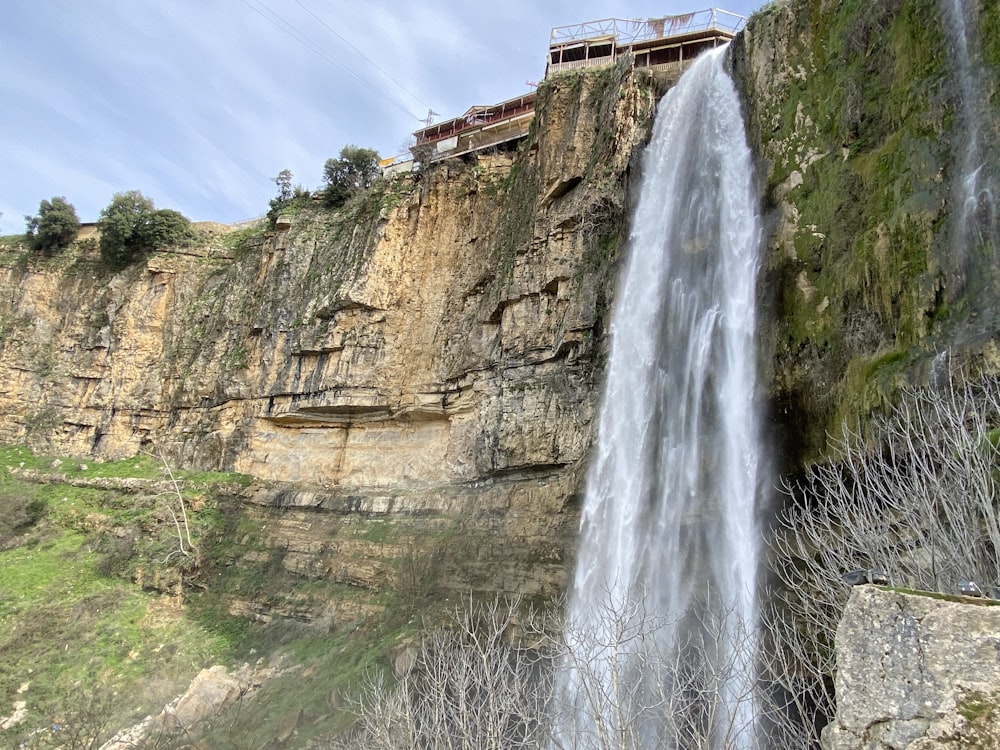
<point x="668" y="43"/>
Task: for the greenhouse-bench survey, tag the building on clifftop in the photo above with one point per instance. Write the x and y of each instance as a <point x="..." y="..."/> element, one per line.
<point x="668" y="43"/>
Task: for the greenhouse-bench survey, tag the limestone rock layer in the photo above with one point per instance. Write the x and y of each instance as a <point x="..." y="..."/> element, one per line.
<point x="916" y="672"/>
<point x="430" y="351"/>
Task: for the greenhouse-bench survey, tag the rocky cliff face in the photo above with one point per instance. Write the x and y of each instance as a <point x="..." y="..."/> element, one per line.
<point x="854" y="110"/>
<point x="429" y="354"/>
<point x="916" y="672"/>
<point x="413" y="380"/>
<point x="418" y="373"/>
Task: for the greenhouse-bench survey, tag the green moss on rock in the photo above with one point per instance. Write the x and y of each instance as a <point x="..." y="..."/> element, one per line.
<point x="853" y="122"/>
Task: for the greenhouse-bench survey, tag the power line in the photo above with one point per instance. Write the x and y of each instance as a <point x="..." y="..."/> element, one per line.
<point x="284" y="25"/>
<point x="371" y="62"/>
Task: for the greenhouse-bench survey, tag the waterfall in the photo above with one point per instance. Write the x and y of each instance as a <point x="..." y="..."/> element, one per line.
<point x="974" y="213"/>
<point x="663" y="602"/>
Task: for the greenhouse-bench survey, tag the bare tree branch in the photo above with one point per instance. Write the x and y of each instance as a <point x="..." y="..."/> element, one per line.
<point x="918" y="501"/>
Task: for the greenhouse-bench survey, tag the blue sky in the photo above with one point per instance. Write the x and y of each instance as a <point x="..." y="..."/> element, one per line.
<point x="199" y="103"/>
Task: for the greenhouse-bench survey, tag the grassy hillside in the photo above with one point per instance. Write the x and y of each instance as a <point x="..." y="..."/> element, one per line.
<point x="109" y="607"/>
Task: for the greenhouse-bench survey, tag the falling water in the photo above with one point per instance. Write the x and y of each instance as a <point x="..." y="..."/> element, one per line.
<point x="974" y="217"/>
<point x="669" y="546"/>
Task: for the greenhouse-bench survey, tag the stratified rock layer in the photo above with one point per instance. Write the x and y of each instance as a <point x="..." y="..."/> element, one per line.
<point x="428" y="356"/>
<point x="431" y="355"/>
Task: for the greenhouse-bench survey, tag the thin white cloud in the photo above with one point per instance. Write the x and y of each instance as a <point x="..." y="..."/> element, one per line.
<point x="198" y="105"/>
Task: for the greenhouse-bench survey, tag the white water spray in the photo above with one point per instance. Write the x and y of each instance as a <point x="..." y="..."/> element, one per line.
<point x="669" y="541"/>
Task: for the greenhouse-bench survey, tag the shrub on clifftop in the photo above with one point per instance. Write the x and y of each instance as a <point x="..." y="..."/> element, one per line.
<point x="130" y="225"/>
<point x="355" y="169"/>
<point x="288" y="197"/>
<point x="54" y="228"/>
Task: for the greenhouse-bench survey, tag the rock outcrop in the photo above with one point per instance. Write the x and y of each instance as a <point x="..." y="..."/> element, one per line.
<point x="424" y="361"/>
<point x="916" y="672"/>
<point x="211" y="694"/>
<point x="853" y="112"/>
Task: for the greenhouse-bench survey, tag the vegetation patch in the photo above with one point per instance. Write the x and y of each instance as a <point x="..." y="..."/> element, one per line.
<point x="67" y="630"/>
<point x="91" y="594"/>
<point x="246" y="240"/>
<point x="861" y="152"/>
<point x="100" y="614"/>
<point x="978" y="709"/>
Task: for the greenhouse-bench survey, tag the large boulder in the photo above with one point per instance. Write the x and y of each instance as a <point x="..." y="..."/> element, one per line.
<point x="916" y="672"/>
<point x="211" y="692"/>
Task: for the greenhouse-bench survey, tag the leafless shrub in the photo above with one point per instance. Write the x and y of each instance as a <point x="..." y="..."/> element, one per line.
<point x="920" y="505"/>
<point x="495" y="678"/>
<point x="83" y="725"/>
<point x="642" y="680"/>
<point x="473" y="686"/>
<point x="175" y="492"/>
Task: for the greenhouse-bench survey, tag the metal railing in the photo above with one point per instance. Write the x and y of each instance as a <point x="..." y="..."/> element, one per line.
<point x="244" y="223"/>
<point x="627" y="31"/>
<point x="593" y="62"/>
<point x="394" y="160"/>
<point x="396" y="164"/>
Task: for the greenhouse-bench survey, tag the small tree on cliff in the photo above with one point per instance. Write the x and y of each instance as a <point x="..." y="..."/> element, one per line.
<point x="288" y="197"/>
<point x="354" y="170"/>
<point x="54" y="228"/>
<point x="131" y="225"/>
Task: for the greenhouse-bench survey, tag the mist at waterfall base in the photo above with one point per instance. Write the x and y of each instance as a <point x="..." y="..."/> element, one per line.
<point x="663" y="602"/>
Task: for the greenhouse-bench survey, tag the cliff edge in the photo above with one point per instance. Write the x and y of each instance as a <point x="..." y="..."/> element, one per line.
<point x="429" y="355"/>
